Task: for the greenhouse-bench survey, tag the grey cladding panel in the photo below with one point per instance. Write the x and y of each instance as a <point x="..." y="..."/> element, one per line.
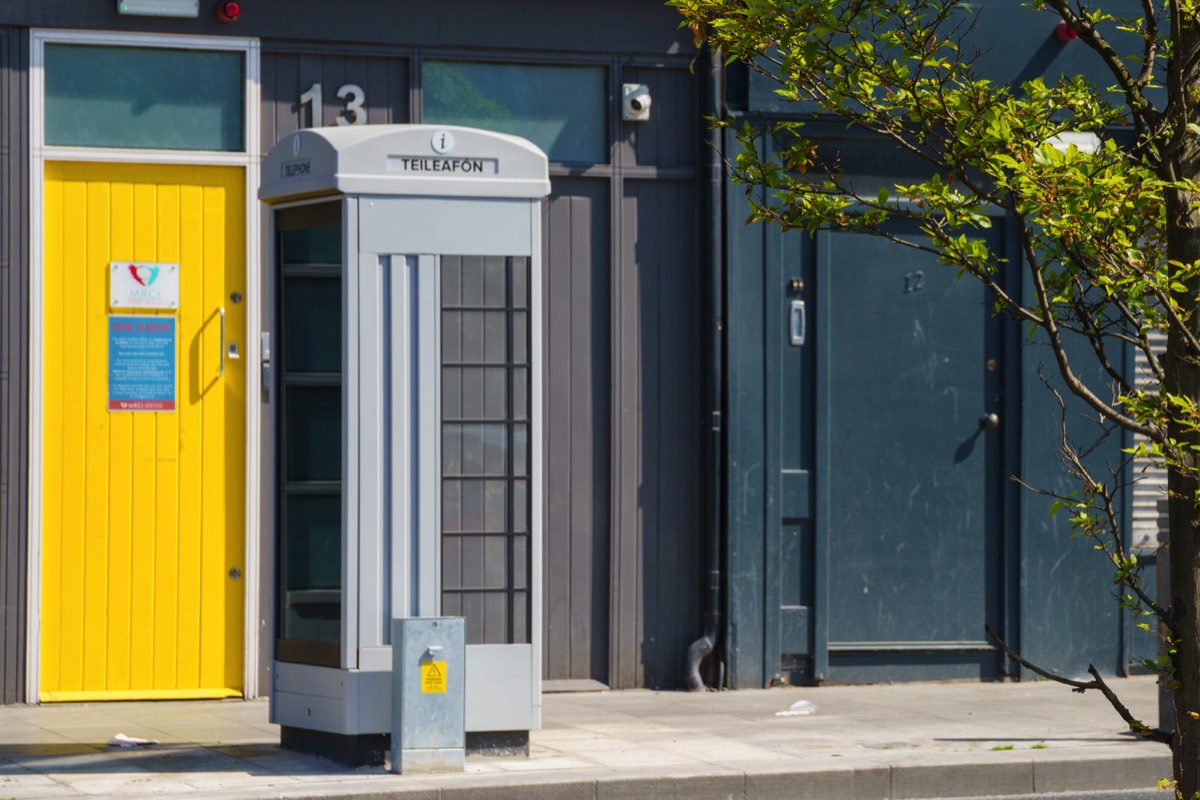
<point x="623" y="26"/>
<point x="672" y="135"/>
<point x="14" y="364"/>
<point x="577" y="541"/>
<point x="659" y="440"/>
<point x="288" y="75"/>
<point x="423" y="225"/>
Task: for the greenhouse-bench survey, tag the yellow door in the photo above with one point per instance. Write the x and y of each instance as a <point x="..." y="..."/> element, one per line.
<point x="143" y="511"/>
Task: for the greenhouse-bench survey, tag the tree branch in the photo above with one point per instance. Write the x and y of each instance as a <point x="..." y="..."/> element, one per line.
<point x="1050" y="326"/>
<point x="1097" y="683"/>
<point x="1150" y="44"/>
<point x="1144" y="113"/>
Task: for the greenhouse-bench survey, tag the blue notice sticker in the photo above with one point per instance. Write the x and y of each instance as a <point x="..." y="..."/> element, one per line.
<point x="141" y="363"/>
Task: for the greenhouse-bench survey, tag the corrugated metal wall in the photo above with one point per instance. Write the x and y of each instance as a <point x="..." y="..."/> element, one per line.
<point x="14" y="363"/>
<point x="1150" y="491"/>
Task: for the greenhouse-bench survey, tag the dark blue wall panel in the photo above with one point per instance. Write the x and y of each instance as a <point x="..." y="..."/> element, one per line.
<point x="1069" y="616"/>
<point x="1015" y="44"/>
<point x="747" y="434"/>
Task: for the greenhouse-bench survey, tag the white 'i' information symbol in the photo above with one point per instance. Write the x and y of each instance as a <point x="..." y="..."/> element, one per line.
<point x="443" y="142"/>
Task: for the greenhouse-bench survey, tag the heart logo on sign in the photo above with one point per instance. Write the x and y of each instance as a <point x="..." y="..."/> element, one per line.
<point x="144" y="275"/>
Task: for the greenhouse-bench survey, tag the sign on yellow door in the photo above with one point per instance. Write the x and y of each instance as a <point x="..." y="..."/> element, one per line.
<point x="142" y="510"/>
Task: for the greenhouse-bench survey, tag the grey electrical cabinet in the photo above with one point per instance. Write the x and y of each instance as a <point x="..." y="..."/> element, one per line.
<point x="405" y="371"/>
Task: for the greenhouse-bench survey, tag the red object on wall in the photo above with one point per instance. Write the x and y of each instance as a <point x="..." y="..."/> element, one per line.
<point x="229" y="11"/>
<point x="1062" y="30"/>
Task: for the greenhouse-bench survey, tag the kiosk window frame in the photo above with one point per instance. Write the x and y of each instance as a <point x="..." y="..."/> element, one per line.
<point x="486" y="449"/>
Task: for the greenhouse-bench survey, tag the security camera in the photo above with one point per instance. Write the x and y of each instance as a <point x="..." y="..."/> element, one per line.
<point x="635" y="102"/>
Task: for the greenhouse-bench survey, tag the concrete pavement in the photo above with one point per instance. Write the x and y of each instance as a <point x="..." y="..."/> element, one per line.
<point x="915" y="740"/>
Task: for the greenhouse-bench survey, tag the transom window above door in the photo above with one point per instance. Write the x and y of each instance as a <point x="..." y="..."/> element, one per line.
<point x="144" y="97"/>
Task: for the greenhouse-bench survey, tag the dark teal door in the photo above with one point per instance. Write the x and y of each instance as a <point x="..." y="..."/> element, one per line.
<point x="909" y="426"/>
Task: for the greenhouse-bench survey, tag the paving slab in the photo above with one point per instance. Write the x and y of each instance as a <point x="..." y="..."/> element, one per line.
<point x="914" y="741"/>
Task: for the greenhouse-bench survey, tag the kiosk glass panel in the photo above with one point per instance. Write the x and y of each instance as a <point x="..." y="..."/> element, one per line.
<point x="309" y="405"/>
<point x="485" y="446"/>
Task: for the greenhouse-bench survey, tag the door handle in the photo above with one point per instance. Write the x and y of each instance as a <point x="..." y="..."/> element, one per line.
<point x="989" y="420"/>
<point x="797" y="323"/>
<point x="222" y="372"/>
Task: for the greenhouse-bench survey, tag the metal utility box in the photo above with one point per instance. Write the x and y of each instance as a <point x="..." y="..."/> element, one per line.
<point x="406" y="380"/>
<point x="428" y="711"/>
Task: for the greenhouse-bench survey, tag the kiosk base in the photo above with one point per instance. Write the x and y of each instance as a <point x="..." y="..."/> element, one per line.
<point x="351" y="750"/>
<point x="498" y="743"/>
<point x="369" y="749"/>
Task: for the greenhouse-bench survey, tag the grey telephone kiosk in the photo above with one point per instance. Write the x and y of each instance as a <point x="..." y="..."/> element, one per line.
<point x="407" y="386"/>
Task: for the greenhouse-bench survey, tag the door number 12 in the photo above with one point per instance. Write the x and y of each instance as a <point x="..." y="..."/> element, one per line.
<point x="353" y="114"/>
<point x="913" y="281"/>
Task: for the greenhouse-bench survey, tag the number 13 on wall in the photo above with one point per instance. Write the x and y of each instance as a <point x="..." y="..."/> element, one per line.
<point x="352" y="114"/>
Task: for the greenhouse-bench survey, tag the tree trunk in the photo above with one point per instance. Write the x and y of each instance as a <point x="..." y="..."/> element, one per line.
<point x="1182" y="368"/>
<point x="1184" y="527"/>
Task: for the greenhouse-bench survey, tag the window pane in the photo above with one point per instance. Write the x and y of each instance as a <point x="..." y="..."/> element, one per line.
<point x="313" y="433"/>
<point x="312" y="568"/>
<point x="520" y="562"/>
<point x="495" y="340"/>
<point x="520" y="467"/>
<point x="520" y="324"/>
<point x="472" y="336"/>
<point x="133" y="97"/>
<point x="312" y="329"/>
<point x="520" y="282"/>
<point x="451" y="281"/>
<point x="472" y="281"/>
<point x="560" y="109"/>
<point x="494" y="279"/>
<point x="452" y="450"/>
<point x="308" y="275"/>
<point x="520" y="617"/>
<point x="485" y="453"/>
<point x="495" y="400"/>
<point x="322" y="245"/>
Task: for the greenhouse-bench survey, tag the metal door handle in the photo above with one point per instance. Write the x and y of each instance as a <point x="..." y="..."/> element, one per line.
<point x="797" y="323"/>
<point x="222" y="372"/>
<point x="989" y="420"/>
<point x="264" y="348"/>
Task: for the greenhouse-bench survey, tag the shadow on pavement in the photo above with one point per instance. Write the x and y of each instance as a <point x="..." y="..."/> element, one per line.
<point x="253" y="759"/>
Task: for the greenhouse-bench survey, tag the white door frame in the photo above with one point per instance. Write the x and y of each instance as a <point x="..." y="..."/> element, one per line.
<point x="248" y="159"/>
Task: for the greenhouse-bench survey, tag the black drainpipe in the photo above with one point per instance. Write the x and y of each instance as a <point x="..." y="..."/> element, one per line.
<point x="700" y="649"/>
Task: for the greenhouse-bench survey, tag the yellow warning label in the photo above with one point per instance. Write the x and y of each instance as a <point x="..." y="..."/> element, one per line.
<point x="433" y="677"/>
